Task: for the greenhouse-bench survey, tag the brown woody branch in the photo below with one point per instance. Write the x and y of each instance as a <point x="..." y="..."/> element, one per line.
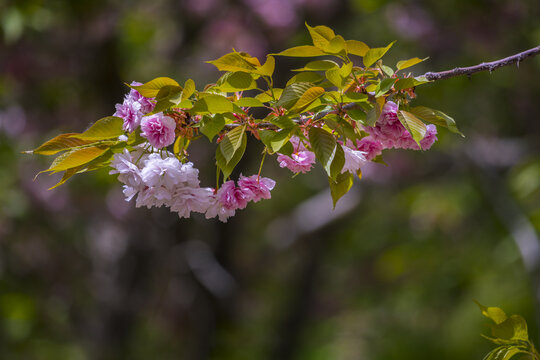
<point x="490" y="66"/>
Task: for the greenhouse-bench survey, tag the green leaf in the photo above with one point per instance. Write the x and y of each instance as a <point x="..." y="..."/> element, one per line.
<point x="225" y="166"/>
<point x="336" y="45"/>
<point x="321" y="35"/>
<point x="311" y="77"/>
<point x="248" y="102"/>
<point x="513" y="328"/>
<point x="384" y="86"/>
<point x="189" y="89"/>
<point x="211" y="126"/>
<point x="373" y="115"/>
<point x="172" y="93"/>
<point x="236" y="61"/>
<point x="283" y="122"/>
<point x="345" y="70"/>
<point x="307" y="98"/>
<point x="338" y="161"/>
<point x="414" y="126"/>
<point x="333" y="75"/>
<point x="436" y="117"/>
<point x="214" y="104"/>
<point x="375" y="54"/>
<point x="355" y="97"/>
<point x="387" y="70"/>
<point x="97" y="163"/>
<point x="236" y="81"/>
<point x="340" y="186"/>
<point x="179" y="145"/>
<point x="494" y="313"/>
<point x="232" y="142"/>
<point x="302" y="51"/>
<point x="76" y="158"/>
<point x="408" y="83"/>
<point x="357" y="115"/>
<point x="59" y="143"/>
<point x="67" y="174"/>
<point x="357" y="48"/>
<point x="266" y="137"/>
<point x="292" y="93"/>
<point x="279" y="139"/>
<point x="268" y="68"/>
<point x="403" y="64"/>
<point x="151" y="88"/>
<point x="106" y="128"/>
<point x="161" y="106"/>
<point x="319" y="65"/>
<point x="324" y="147"/>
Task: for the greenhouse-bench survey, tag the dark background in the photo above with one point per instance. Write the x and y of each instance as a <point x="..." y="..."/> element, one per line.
<point x="391" y="274"/>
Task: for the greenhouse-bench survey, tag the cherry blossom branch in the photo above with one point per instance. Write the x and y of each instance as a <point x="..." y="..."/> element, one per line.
<point x="489" y="66"/>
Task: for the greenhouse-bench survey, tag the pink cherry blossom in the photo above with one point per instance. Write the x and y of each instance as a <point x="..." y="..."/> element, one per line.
<point x="255" y="187"/>
<point x="146" y="104"/>
<point x="217" y="209"/>
<point x="371" y="147"/>
<point x="133" y="108"/>
<point x="159" y="130"/>
<point x="191" y="199"/>
<point x="389" y="131"/>
<point x="354" y="159"/>
<point x="129" y="111"/>
<point x="232" y="197"/>
<point x="301" y="161"/>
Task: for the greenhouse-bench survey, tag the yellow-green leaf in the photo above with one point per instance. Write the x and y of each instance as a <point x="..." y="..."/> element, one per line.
<point x="236" y="81"/>
<point x="76" y="158"/>
<point x="236" y="61"/>
<point x="59" y="143"/>
<point x="151" y="88"/>
<point x="106" y="128"/>
<point x="248" y="102"/>
<point x="292" y="93"/>
<point x="268" y="68"/>
<point x="213" y="104"/>
<point x="375" y="54"/>
<point x="414" y="126"/>
<point x="189" y="89"/>
<point x="307" y="98"/>
<point x="340" y="186"/>
<point x="302" y="51"/>
<point x="319" y="65"/>
<point x="321" y="35"/>
<point x="403" y="64"/>
<point x="336" y="45"/>
<point x="356" y="47"/>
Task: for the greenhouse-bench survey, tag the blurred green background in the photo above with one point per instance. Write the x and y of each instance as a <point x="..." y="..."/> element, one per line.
<point x="391" y="274"/>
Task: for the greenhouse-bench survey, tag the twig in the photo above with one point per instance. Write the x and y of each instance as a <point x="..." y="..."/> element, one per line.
<point x="301" y="120"/>
<point x="490" y="66"/>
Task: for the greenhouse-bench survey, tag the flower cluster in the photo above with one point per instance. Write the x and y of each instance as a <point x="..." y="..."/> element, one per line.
<point x="388" y="133"/>
<point x="160" y="179"/>
<point x="157" y="128"/>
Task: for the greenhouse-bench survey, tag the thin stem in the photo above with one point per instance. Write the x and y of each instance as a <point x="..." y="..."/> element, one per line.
<point x="262" y="162"/>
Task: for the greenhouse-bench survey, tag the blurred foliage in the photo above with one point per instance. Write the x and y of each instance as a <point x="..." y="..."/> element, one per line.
<point x="84" y="275"/>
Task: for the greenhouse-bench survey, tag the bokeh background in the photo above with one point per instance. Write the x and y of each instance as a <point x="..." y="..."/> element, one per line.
<point x="391" y="274"/>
